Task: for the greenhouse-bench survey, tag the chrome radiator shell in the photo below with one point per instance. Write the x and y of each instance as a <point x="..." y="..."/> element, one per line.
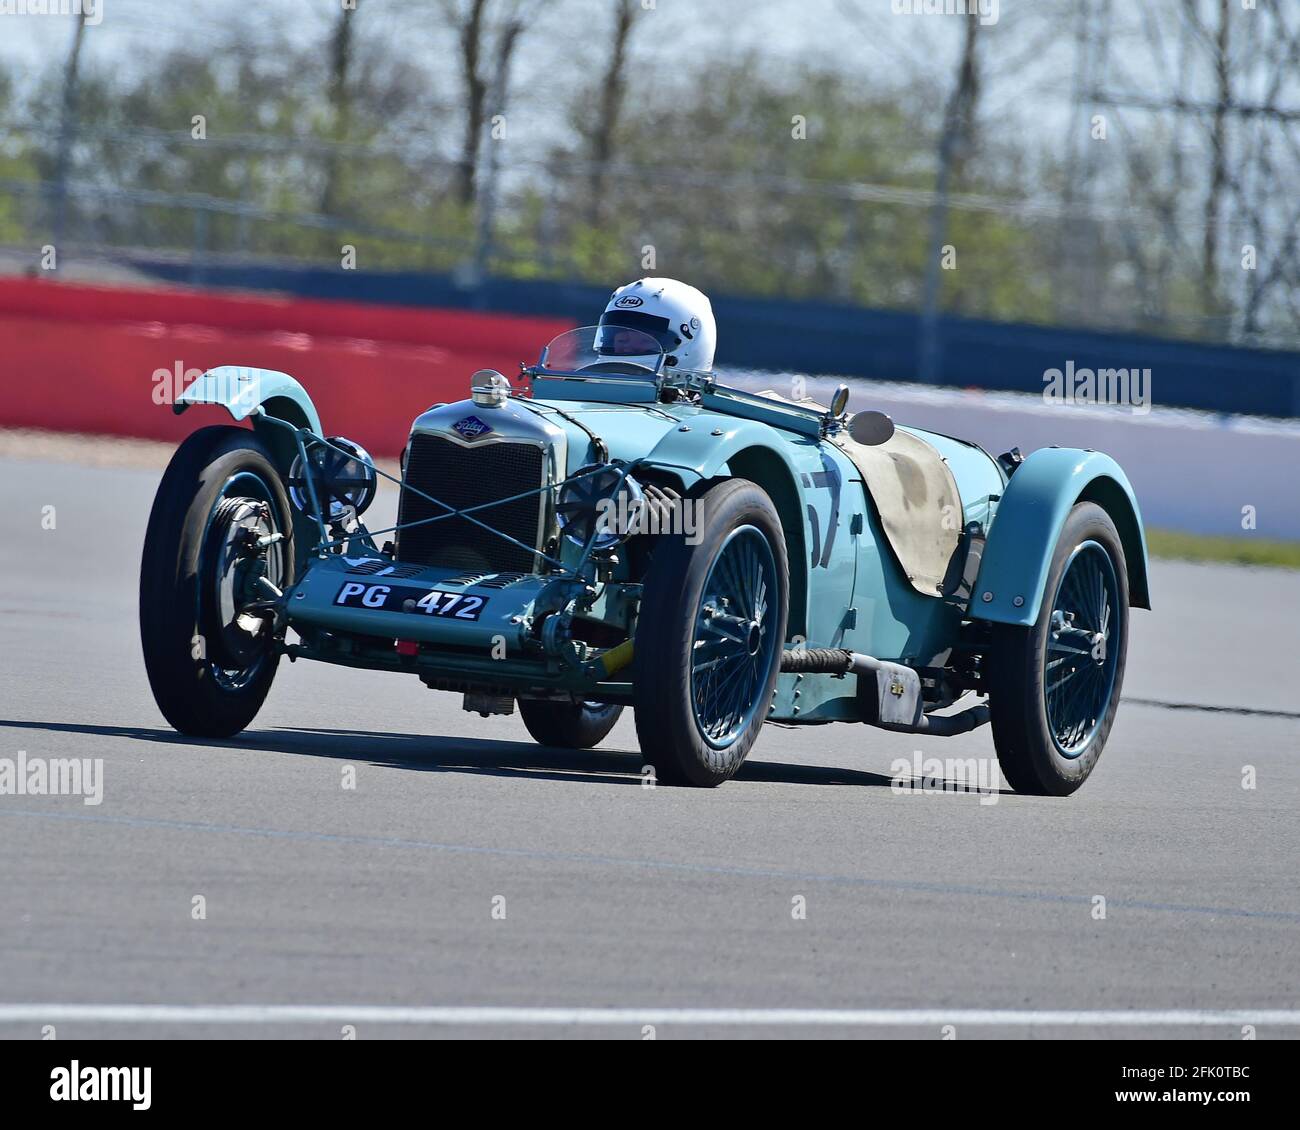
<point x="466" y="454"/>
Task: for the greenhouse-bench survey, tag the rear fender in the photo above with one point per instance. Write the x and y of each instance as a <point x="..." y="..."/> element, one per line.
<point x="1028" y="522"/>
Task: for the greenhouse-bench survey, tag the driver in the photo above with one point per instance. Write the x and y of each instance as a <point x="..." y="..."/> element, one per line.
<point x="677" y="317"/>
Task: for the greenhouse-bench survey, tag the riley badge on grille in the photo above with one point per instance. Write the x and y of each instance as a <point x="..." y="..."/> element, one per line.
<point x="471" y="427"/>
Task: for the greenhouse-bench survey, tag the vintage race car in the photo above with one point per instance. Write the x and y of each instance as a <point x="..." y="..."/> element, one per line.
<point x="603" y="534"/>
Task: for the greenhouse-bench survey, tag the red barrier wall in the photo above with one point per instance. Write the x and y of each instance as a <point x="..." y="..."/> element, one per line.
<point x="83" y="359"/>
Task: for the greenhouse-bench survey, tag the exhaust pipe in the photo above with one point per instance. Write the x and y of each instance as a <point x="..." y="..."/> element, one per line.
<point x="890" y="696"/>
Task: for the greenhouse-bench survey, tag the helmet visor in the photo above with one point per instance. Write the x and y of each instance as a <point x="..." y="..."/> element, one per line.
<point x="620" y="330"/>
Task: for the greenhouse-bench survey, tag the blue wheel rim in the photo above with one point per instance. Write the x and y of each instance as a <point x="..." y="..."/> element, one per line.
<point x="735" y="637"/>
<point x="1084" y="644"/>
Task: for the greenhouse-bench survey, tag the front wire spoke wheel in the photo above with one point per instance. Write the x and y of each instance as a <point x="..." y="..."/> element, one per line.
<point x="241" y="562"/>
<point x="709" y="635"/>
<point x="218" y="554"/>
<point x="734" y="610"/>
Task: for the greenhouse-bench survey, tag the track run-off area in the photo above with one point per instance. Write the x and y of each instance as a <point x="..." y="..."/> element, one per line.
<point x="369" y="855"/>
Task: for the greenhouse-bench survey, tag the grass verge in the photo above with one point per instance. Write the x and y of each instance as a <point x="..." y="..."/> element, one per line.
<point x="1247" y="550"/>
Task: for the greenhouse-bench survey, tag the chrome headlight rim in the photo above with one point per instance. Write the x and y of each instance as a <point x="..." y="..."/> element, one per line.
<point x="578" y="506"/>
<point x="342" y="494"/>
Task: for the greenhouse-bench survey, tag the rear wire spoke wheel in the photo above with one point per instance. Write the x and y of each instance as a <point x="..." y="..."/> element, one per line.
<point x="1055" y="686"/>
<point x="1079" y="666"/>
<point x="568" y="725"/>
<point x="210" y="567"/>
<point x="709" y="638"/>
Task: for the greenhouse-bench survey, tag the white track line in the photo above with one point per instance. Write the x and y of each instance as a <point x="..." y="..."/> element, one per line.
<point x="475" y="1015"/>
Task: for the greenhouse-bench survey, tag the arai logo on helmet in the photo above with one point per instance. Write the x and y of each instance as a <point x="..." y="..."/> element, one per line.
<point x="629" y="302"/>
<point x="471" y="427"/>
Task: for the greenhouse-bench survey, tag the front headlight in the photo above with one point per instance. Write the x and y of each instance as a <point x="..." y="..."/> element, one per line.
<point x="344" y="478"/>
<point x="600" y="499"/>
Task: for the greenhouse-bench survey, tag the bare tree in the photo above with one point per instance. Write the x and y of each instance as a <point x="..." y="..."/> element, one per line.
<point x="1218" y="155"/>
<point x="613" y="86"/>
<point x="1231" y="83"/>
<point x="340" y="100"/>
<point x="490" y="159"/>
<point x="1216" y="43"/>
<point x="957" y="136"/>
<point x="468" y="22"/>
<point x="487" y="33"/>
<point x="67" y="130"/>
<point x="965" y="98"/>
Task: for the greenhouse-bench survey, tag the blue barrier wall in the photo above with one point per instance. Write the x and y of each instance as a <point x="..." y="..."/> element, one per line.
<point x="820" y="337"/>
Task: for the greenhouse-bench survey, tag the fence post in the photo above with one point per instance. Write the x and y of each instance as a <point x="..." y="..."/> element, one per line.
<point x="198" y="252"/>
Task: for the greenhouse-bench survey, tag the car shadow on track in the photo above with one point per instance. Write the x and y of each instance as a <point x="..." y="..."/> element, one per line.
<point x="434" y="754"/>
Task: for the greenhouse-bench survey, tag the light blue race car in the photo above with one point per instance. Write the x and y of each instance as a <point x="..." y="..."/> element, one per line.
<point x="609" y="532"/>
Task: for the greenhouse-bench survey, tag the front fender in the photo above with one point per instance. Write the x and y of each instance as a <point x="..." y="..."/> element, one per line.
<point x="704" y="444"/>
<point x="778" y="462"/>
<point x="241" y="391"/>
<point x="1028" y="522"/>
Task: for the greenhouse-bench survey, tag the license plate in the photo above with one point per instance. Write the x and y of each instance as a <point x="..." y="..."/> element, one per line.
<point x="409" y="599"/>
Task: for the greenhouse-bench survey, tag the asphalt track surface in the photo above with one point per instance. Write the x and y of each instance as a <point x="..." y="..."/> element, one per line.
<point x="624" y="906"/>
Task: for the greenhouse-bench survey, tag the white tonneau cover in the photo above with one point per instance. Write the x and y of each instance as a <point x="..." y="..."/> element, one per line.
<point x="916" y="500"/>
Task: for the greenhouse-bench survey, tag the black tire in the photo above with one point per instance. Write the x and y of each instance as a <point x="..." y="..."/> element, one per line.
<point x="568" y="725"/>
<point x="1028" y="751"/>
<point x="667" y="725"/>
<point x="205" y="682"/>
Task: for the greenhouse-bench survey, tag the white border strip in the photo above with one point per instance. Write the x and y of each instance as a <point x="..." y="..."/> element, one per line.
<point x="478" y="1015"/>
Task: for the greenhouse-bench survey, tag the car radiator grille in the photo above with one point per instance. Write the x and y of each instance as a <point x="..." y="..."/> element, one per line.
<point x="469" y="476"/>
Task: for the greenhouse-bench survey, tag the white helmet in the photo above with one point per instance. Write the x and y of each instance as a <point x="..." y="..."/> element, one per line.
<point x="677" y="316"/>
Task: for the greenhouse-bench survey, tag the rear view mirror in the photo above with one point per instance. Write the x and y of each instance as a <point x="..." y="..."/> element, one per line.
<point x="871" y="429"/>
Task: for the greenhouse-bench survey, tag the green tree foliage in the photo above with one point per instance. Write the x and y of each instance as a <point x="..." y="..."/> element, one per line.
<point x="800" y="182"/>
<point x="18" y="163"/>
<point x="747" y="181"/>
